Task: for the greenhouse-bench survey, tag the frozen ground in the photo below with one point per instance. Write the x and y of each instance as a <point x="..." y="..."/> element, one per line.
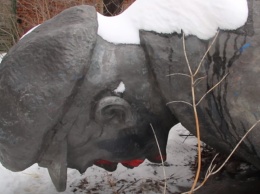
<point x="147" y="178"/>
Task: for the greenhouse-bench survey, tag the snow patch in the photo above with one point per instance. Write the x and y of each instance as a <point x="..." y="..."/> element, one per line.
<point x="120" y="88"/>
<point x="201" y="18"/>
<point x="30" y="31"/>
<point x="2" y="56"/>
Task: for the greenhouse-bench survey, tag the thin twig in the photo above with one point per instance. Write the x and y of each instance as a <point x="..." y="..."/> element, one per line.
<point x="210" y="170"/>
<point x="121" y="188"/>
<point x="205" y="54"/>
<point x="198" y="135"/>
<point x="197" y="81"/>
<point x="238" y="144"/>
<point x="193" y="95"/>
<point x="179" y="102"/>
<point x="211" y="89"/>
<point x="187" y="137"/>
<point x="178" y="74"/>
<point x="185" y="54"/>
<point x="164" y="173"/>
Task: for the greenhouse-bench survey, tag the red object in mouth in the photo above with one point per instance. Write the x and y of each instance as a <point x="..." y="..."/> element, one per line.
<point x="132" y="163"/>
<point x="111" y="166"/>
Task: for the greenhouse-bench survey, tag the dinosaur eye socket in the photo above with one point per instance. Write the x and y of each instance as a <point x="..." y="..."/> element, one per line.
<point x="113" y="110"/>
<point x="114" y="114"/>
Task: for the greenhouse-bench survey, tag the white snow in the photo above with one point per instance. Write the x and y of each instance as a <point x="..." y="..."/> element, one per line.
<point x="201" y="18"/>
<point x="146" y="177"/>
<point x="32" y="29"/>
<point x="120" y="88"/>
<point x="1" y="56"/>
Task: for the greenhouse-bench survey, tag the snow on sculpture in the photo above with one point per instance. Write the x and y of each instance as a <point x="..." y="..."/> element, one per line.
<point x="194" y="17"/>
<point x="79" y="90"/>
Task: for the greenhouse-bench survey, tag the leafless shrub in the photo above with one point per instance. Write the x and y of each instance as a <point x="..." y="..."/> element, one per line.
<point x="8" y="31"/>
<point x="17" y="19"/>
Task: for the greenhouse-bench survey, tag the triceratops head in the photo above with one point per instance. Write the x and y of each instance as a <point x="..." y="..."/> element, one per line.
<point x="68" y="98"/>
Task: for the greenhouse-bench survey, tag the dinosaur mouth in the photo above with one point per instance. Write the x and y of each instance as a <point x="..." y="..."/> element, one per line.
<point x="112" y="166"/>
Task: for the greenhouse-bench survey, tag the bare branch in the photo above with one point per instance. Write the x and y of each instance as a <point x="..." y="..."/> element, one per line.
<point x="179" y="102"/>
<point x="238" y="144"/>
<point x="210" y="170"/>
<point x="193" y="95"/>
<point x="205" y="54"/>
<point x="165" y="178"/>
<point x="122" y="189"/>
<point x="185" y="54"/>
<point x="197" y="81"/>
<point x="211" y="166"/>
<point x="183" y="74"/>
<point x="211" y="90"/>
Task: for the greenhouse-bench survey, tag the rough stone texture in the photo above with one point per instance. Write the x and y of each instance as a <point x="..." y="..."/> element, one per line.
<point x="58" y="107"/>
<point x="121" y="131"/>
<point x="233" y="107"/>
<point x="39" y="77"/>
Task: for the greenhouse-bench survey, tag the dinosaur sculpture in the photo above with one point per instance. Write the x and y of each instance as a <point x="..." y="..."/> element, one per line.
<point x="71" y="97"/>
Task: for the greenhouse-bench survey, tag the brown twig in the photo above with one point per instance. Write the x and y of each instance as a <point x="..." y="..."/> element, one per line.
<point x="210" y="90"/>
<point x="210" y="170"/>
<point x="205" y="54"/>
<point x="194" y="104"/>
<point x="183" y="74"/>
<point x="164" y="173"/>
<point x="179" y="102"/>
<point x="193" y="95"/>
<point x="122" y="189"/>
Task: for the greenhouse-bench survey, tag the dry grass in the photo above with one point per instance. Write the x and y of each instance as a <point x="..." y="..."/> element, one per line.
<point x="34" y="12"/>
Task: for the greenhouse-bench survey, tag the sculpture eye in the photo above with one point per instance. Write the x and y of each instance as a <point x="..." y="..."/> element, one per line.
<point x="113" y="114"/>
<point x="113" y="110"/>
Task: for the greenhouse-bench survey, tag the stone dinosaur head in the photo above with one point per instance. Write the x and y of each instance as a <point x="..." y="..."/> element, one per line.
<point x="68" y="98"/>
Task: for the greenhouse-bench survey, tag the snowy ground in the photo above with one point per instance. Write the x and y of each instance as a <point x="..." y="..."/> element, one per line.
<point x="147" y="178"/>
